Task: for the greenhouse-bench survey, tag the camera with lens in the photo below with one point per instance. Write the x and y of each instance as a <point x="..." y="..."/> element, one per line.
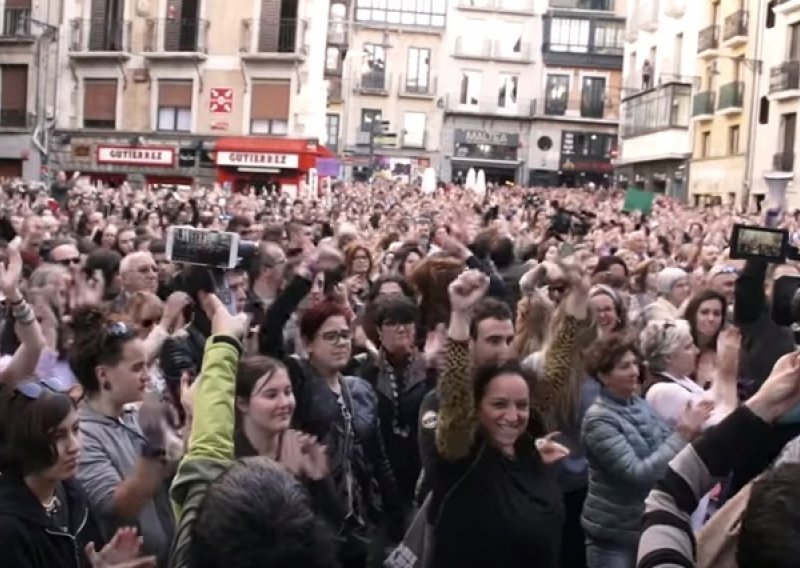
<point x="565" y="221"/>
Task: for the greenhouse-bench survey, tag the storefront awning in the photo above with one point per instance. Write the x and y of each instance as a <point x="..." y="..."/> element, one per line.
<point x="280" y="145"/>
<point x="654" y="158"/>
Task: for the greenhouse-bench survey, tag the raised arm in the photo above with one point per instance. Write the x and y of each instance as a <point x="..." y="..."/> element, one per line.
<point x="455" y="433"/>
<point x="559" y="358"/>
<point x="25" y="359"/>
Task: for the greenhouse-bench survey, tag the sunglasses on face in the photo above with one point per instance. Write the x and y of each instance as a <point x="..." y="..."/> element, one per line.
<point x="67" y="261"/>
<point x="335" y="336"/>
<point x="34" y="390"/>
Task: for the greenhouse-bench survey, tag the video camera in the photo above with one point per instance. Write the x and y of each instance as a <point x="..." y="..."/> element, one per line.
<point x="771" y="245"/>
<point x="566" y="221"/>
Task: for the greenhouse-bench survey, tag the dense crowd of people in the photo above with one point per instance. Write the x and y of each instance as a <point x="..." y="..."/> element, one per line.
<point x="530" y="377"/>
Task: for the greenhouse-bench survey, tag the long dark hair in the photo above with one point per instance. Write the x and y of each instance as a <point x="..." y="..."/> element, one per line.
<point x="693" y="307"/>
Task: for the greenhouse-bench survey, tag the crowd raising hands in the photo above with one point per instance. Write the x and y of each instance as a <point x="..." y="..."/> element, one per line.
<point x="392" y="379"/>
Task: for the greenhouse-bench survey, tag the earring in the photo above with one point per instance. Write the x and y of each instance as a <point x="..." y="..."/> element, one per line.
<point x="106" y="386"/>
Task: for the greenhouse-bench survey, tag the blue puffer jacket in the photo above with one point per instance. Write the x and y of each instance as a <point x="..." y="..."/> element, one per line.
<point x="628" y="447"/>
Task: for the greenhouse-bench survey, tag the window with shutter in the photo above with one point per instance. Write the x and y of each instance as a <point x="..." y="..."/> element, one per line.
<point x="17" y="18"/>
<point x="100" y="103"/>
<point x="175" y="106"/>
<point x="269" y="26"/>
<point x="14" y="95"/>
<point x="269" y="107"/>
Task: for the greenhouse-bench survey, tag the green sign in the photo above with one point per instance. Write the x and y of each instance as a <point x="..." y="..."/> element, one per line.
<point x="638" y="200"/>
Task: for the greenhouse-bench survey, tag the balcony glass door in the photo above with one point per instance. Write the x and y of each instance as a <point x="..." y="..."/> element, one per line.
<point x="593" y="97"/>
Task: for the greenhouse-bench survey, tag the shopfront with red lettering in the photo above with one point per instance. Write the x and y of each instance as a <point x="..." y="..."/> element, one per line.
<point x="277" y="164"/>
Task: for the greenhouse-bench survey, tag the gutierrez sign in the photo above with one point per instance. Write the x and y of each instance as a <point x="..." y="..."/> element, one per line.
<point x="122" y="155"/>
<point x="257" y="159"/>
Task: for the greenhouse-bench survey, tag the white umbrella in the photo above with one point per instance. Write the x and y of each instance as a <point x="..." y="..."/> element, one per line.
<point x="480" y="184"/>
<point x="470" y="183"/>
<point x="428" y="181"/>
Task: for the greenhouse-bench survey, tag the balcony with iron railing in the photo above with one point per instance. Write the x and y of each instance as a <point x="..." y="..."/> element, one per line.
<point x="708" y="41"/>
<point x="600" y="5"/>
<point x="731" y="98"/>
<point x="16" y="25"/>
<point x="90" y="39"/>
<point x="374" y="83"/>
<point x="523" y="108"/>
<point x="784" y="80"/>
<point x="519" y="52"/>
<point x="783" y="162"/>
<point x="16" y="119"/>
<point x="580" y="109"/>
<point x="267" y="39"/>
<point x="176" y="38"/>
<point x="736" y="29"/>
<point x="417" y="87"/>
<point x="703" y="105"/>
<point x="471" y="48"/>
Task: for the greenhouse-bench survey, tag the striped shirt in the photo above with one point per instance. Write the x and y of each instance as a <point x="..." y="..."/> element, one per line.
<point x="667" y="539"/>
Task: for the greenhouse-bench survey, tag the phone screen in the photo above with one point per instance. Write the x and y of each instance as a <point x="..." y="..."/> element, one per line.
<point x="204" y="247"/>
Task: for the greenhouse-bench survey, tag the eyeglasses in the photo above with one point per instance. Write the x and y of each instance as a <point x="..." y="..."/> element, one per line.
<point x="67" y="261"/>
<point x="33" y="390"/>
<point x="335" y="336"/>
<point x="146" y="269"/>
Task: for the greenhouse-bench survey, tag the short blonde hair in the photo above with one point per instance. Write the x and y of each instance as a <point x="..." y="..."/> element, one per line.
<point x="660" y="339"/>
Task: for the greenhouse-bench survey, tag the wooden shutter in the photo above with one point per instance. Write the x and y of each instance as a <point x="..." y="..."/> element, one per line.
<point x="14" y="96"/>
<point x="98" y="26"/>
<point x="269" y="26"/>
<point x="270" y="101"/>
<point x="176" y="94"/>
<point x="18" y="4"/>
<point x="100" y="99"/>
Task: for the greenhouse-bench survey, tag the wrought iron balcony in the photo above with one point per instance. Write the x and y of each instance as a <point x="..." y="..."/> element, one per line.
<point x="90" y="36"/>
<point x="603" y="5"/>
<point x="15" y="118"/>
<point x="264" y="36"/>
<point x="703" y="104"/>
<point x="471" y="48"/>
<point x="175" y="35"/>
<point x="708" y="39"/>
<point x="783" y="162"/>
<point x="16" y="23"/>
<point x="784" y="77"/>
<point x="374" y="82"/>
<point x="731" y="96"/>
<point x="736" y="25"/>
<point x="417" y="87"/>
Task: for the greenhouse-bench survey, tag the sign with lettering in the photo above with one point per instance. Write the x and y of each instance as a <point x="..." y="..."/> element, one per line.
<point x="257" y="159"/>
<point x="136" y="156"/>
<point x="484" y="137"/>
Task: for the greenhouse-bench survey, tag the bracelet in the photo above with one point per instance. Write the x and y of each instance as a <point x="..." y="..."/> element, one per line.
<point x="20" y="311"/>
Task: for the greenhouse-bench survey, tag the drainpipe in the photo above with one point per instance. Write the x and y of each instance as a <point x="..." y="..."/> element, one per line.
<point x="758" y="52"/>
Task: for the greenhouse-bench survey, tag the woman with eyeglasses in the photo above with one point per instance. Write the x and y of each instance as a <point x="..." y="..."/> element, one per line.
<point x="45" y="518"/>
<point x="342" y="412"/>
<point x="123" y="466"/>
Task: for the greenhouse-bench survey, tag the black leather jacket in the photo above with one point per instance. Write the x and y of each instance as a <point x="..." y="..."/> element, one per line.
<point x="357" y="449"/>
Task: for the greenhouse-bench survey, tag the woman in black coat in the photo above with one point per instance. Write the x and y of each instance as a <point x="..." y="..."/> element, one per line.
<point x="45" y="520"/>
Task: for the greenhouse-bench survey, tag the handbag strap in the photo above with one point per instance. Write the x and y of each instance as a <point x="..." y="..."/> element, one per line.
<point x="458" y="482"/>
